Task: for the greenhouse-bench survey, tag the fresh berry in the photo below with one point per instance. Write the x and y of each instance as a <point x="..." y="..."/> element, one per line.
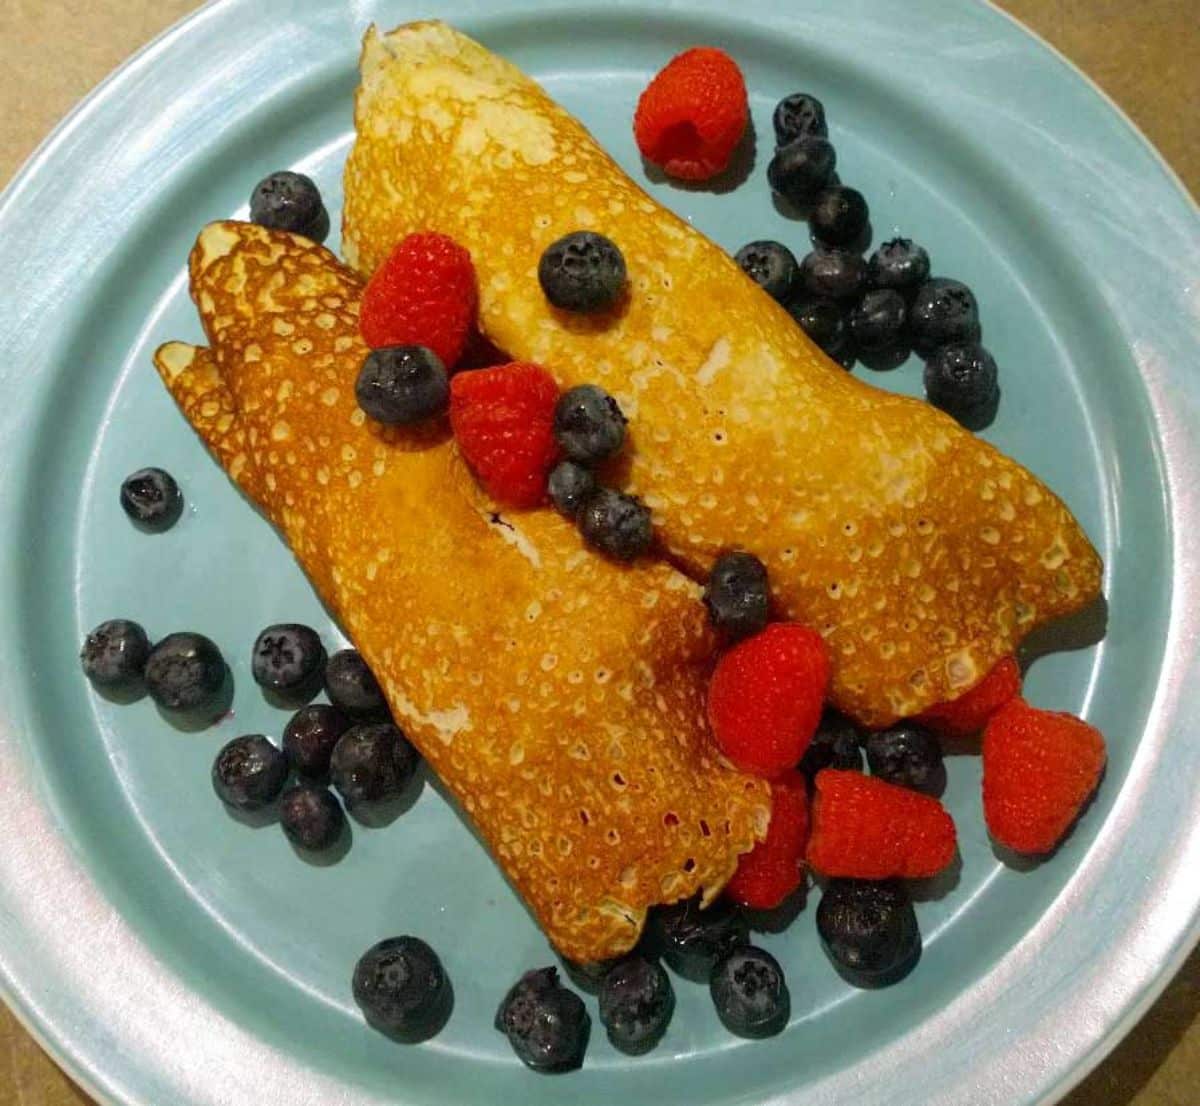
<point x="908" y="755"/>
<point x="636" y="1003"/>
<point x="772" y="870"/>
<point x="1039" y="769"/>
<point x="582" y="271"/>
<point x="185" y="672"/>
<point x="838" y="216"/>
<point x="961" y="379"/>
<point x="799" y="170"/>
<point x="865" y="828"/>
<point x="691" y="940"/>
<point x="750" y="993"/>
<point x="969" y="713"/>
<point x="249" y="772"/>
<point x="400" y="385"/>
<point x="799" y="116"/>
<point x="371" y="762"/>
<point x="288" y="659"/>
<point x="836" y="744"/>
<point x="877" y="322"/>
<point x="824" y="321"/>
<point x="503" y="419"/>
<point x="737" y="597"/>
<point x="114" y="655"/>
<point x="616" y="524"/>
<point x="900" y="264"/>
<point x="289" y="201"/>
<point x="869" y="930"/>
<point x="766" y="695"/>
<point x="309" y="738"/>
<point x="152" y="500"/>
<point x="692" y="115"/>
<point x="402" y="989"/>
<point x="570" y="483"/>
<point x="311" y="817"/>
<point x="943" y="311"/>
<point x="834" y="273"/>
<point x="546" y="1024"/>
<point x="588" y="424"/>
<point x="424" y="294"/>
<point x="352" y="687"/>
<point x="772" y="266"/>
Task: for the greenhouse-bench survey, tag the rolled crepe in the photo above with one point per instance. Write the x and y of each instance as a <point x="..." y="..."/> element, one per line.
<point x="559" y="696"/>
<point x="921" y="553"/>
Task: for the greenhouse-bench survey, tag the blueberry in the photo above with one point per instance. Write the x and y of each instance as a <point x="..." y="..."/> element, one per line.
<point x="616" y="524"/>
<point x="737" y="596"/>
<point x="692" y="940"/>
<point x="546" y="1024"/>
<point x="943" y="311"/>
<point x="402" y="989"/>
<point x="152" y="500"/>
<point x="877" y="322"/>
<point x="114" y="655"/>
<point x="750" y="993"/>
<point x="824" y="321"/>
<point x="834" y="274"/>
<point x="249" y="772"/>
<point x="636" y="1003"/>
<point x="799" y="116"/>
<point x="289" y="201"/>
<point x="908" y="755"/>
<point x="838" y="216"/>
<point x="352" y="687"/>
<point x="834" y="745"/>
<point x="962" y="379"/>
<point x="570" y="484"/>
<point x="184" y="672"/>
<point x="770" y="265"/>
<point x="869" y="930"/>
<point x="311" y="816"/>
<point x="900" y="264"/>
<point x="289" y="659"/>
<point x="400" y="385"/>
<point x="799" y="170"/>
<point x="309" y="738"/>
<point x="588" y="424"/>
<point x="582" y="271"/>
<point x="371" y="762"/>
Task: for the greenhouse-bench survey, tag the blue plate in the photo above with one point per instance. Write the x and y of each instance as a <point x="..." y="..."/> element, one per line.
<point x="168" y="954"/>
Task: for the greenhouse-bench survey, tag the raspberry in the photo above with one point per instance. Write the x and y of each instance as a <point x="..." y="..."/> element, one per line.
<point x="969" y="713"/>
<point x="772" y="870"/>
<point x="865" y="828"/>
<point x="692" y="115"/>
<point x="503" y="419"/>
<point x="766" y="695"/>
<point x="423" y="295"/>
<point x="1039" y="768"/>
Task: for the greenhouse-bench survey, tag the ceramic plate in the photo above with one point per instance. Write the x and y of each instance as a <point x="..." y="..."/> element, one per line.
<point x="166" y="953"/>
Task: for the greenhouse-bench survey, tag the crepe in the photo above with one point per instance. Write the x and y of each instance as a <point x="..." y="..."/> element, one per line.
<point x="921" y="553"/>
<point x="559" y="696"/>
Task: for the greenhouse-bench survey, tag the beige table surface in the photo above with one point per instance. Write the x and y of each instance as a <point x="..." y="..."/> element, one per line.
<point x="1144" y="53"/>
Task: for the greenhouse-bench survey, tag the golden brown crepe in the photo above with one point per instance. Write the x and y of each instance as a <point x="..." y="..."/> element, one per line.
<point x="921" y="553"/>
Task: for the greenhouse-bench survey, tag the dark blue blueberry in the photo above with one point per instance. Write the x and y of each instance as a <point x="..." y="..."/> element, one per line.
<point x="616" y="524"/>
<point x="962" y="379"/>
<point x="289" y="201"/>
<point x="152" y="499"/>
<point x="737" y="596"/>
<point x="570" y="484"/>
<point x="900" y="264"/>
<point x="834" y="274"/>
<point x="352" y="687"/>
<point x="400" y="385"/>
<point x="877" y="321"/>
<point x="588" y="424"/>
<point x="692" y="940"/>
<point x="834" y="745"/>
<point x="799" y="170"/>
<point x="824" y="321"/>
<point x="372" y="762"/>
<point x="869" y="930"/>
<point x="750" y="993"/>
<point x="838" y="216"/>
<point x="546" y="1024"/>
<point x="908" y="755"/>
<point x="636" y="1003"/>
<point x="582" y="271"/>
<point x="289" y="659"/>
<point x="772" y="266"/>
<point x="249" y="772"/>
<point x="311" y="817"/>
<point x="185" y="672"/>
<point x="799" y="116"/>
<point x="402" y="989"/>
<point x="309" y="738"/>
<point x="943" y="311"/>
<point x="114" y="655"/>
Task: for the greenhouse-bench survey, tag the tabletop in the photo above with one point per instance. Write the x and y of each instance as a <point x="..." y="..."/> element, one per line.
<point x="1145" y="55"/>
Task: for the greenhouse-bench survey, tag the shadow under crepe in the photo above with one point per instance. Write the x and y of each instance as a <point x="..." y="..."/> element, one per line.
<point x="1081" y="630"/>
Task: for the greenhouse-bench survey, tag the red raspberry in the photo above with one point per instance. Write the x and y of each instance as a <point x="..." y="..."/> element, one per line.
<point x="766" y="696"/>
<point x="772" y="870"/>
<point x="1039" y="768"/>
<point x="969" y="713"/>
<point x="692" y="115"/>
<point x="865" y="828"/>
<point x="423" y="295"/>
<point x="503" y="419"/>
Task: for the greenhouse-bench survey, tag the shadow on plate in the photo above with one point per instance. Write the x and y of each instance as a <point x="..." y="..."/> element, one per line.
<point x="1081" y="630"/>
